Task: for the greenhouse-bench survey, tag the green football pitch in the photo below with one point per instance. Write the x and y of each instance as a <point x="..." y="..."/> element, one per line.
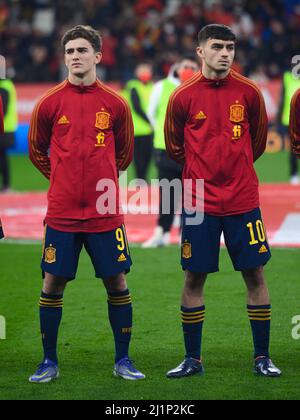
<point x="270" y="168"/>
<point x="86" y="344"/>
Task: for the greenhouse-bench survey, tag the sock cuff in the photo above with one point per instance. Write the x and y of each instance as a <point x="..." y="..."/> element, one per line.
<point x="51" y="301"/>
<point x="189" y="310"/>
<point x="259" y="313"/>
<point x="119" y="298"/>
<point x="254" y="307"/>
<point x="192" y="315"/>
<point x="54" y="297"/>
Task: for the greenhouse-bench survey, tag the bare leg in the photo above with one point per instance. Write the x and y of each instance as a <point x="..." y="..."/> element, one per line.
<point x="54" y="285"/>
<point x="193" y="291"/>
<point x="116" y="284"/>
<point x="258" y="293"/>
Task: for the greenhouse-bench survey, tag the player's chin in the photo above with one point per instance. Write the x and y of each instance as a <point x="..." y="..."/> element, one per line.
<point x="224" y="67"/>
<point x="77" y="72"/>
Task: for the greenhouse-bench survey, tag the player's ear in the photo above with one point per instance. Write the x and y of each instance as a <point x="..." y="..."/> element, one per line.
<point x="200" y="51"/>
<point x="98" y="57"/>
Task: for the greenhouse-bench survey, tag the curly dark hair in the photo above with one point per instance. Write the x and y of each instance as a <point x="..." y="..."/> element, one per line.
<point x="85" y="32"/>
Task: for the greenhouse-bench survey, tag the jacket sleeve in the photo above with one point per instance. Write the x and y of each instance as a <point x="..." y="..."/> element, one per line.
<point x="39" y="139"/>
<point x="258" y="124"/>
<point x="294" y="126"/>
<point x="174" y="129"/>
<point x="124" y="137"/>
<point x="136" y="102"/>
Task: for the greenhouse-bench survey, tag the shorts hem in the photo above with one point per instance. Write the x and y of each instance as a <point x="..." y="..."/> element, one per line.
<point x="196" y="270"/>
<point x="252" y="266"/>
<point x="68" y="278"/>
<point x="115" y="273"/>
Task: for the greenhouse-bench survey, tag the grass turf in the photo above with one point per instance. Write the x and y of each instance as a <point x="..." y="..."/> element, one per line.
<point x="25" y="176"/>
<point x="86" y="344"/>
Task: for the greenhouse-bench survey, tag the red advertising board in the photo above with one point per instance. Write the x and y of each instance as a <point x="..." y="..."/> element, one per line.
<point x="29" y="94"/>
<point x="271" y="91"/>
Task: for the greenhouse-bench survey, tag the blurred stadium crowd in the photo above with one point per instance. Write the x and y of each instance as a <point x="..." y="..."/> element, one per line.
<point x="154" y="30"/>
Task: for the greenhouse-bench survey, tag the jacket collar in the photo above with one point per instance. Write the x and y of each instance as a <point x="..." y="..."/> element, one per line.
<point x="82" y="88"/>
<point x="217" y="82"/>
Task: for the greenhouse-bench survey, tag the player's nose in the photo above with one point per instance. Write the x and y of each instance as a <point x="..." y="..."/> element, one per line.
<point x="225" y="53"/>
<point x="75" y="56"/>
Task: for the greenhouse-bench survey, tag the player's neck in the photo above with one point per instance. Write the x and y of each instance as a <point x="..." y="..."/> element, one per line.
<point x="211" y="74"/>
<point x="83" y="80"/>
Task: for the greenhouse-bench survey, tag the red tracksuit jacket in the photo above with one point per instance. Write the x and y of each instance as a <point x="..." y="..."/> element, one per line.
<point x="295" y="123"/>
<point x="89" y="132"/>
<point x="218" y="128"/>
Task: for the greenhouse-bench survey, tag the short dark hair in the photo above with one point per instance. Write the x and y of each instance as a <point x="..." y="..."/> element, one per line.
<point x="85" y="32"/>
<point x="216" y="31"/>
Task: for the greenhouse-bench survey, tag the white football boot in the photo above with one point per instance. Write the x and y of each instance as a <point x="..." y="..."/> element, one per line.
<point x="159" y="239"/>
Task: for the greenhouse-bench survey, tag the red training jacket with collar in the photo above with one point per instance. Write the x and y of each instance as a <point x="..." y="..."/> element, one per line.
<point x="89" y="132"/>
<point x="294" y="127"/>
<point x="218" y="128"/>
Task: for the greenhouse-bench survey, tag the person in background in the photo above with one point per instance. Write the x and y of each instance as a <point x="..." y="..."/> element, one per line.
<point x="7" y="139"/>
<point x="1" y="132"/>
<point x="167" y="168"/>
<point x="137" y="92"/>
<point x="294" y="124"/>
<point x="290" y="84"/>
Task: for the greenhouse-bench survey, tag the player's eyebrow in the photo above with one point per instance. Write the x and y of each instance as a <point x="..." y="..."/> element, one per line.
<point x="72" y="50"/>
<point x="220" y="45"/>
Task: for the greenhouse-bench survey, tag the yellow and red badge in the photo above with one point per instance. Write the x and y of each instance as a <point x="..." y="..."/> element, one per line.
<point x="50" y="255"/>
<point x="237" y="113"/>
<point x="187" y="251"/>
<point x="102" y="120"/>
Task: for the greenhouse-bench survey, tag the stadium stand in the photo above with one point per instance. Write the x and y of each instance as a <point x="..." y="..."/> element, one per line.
<point x="145" y="29"/>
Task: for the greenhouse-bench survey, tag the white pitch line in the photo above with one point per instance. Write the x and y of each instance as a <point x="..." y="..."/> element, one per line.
<point x="289" y="231"/>
<point x="21" y="242"/>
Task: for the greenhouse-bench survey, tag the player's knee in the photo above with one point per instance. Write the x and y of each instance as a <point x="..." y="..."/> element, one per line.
<point x="54" y="285"/>
<point x="115" y="284"/>
<point x="194" y="281"/>
<point x="254" y="277"/>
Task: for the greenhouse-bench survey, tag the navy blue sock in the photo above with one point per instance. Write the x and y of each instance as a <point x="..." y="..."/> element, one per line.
<point x="260" y="320"/>
<point x="50" y="317"/>
<point x="192" y="323"/>
<point x="120" y="317"/>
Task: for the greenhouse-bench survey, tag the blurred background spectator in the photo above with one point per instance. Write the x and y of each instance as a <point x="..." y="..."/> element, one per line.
<point x="136" y="30"/>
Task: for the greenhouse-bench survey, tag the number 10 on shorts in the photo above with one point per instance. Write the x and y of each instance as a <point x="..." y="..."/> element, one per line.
<point x="257" y="232"/>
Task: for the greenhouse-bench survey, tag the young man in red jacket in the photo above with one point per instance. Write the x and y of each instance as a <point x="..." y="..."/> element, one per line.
<point x="89" y="131"/>
<point x="216" y="125"/>
<point x="294" y="128"/>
